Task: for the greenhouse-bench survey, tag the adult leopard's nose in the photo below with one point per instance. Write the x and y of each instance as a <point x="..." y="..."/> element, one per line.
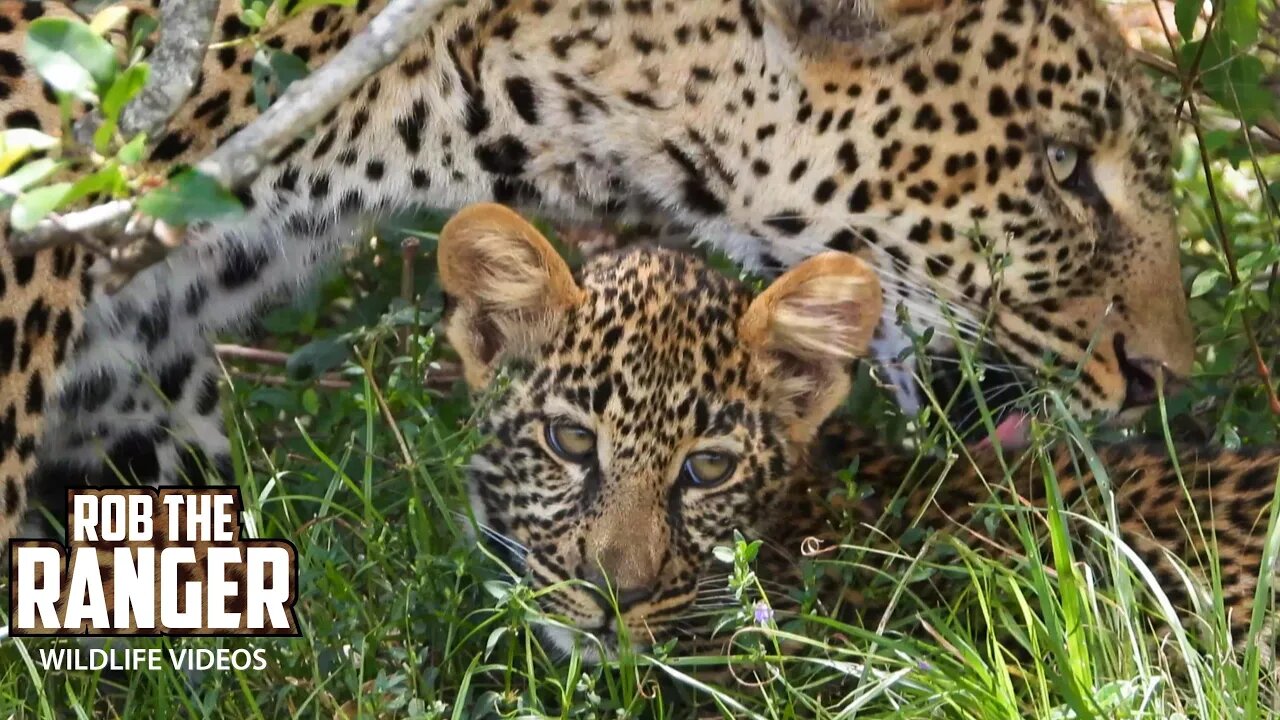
<point x="1144" y="378"/>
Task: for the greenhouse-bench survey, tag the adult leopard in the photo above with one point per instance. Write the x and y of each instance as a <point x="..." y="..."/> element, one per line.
<point x="1004" y="159"/>
<point x="640" y="411"/>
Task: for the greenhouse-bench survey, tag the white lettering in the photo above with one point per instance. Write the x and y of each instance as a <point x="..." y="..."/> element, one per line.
<point x="32" y="598"/>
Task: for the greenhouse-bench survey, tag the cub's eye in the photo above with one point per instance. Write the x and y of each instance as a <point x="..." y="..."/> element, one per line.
<point x="708" y="468"/>
<point x="1064" y="162"/>
<point x="571" y="442"/>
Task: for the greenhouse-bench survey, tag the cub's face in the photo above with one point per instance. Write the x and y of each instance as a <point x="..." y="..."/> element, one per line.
<point x="638" y="440"/>
<point x="653" y="407"/>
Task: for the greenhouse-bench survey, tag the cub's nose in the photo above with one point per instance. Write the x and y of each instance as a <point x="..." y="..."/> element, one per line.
<point x="628" y="597"/>
<point x="1141" y="388"/>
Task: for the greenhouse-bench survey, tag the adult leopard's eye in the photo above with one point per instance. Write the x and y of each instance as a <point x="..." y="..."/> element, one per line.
<point x="1064" y="162"/>
<point x="571" y="442"/>
<point x="708" y="468"/>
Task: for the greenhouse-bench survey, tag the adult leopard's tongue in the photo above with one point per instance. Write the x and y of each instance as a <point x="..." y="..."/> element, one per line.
<point x="1012" y="432"/>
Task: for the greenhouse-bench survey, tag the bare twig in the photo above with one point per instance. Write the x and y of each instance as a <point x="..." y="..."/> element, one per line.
<point x="387" y="415"/>
<point x="408" y="255"/>
<point x="274" y="358"/>
<point x="240" y="159"/>
<point x="251" y="354"/>
<point x="73" y="227"/>
<point x="439" y="377"/>
<point x="326" y="382"/>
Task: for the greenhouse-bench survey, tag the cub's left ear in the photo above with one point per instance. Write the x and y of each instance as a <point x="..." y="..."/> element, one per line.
<point x="508" y="284"/>
<point x="806" y="328"/>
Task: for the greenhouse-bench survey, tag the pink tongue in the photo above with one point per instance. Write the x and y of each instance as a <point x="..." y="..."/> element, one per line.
<point x="1012" y="432"/>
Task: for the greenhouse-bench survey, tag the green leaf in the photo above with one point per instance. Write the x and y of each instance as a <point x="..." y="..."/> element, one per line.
<point x="143" y="27"/>
<point x="1245" y="263"/>
<point x="273" y="397"/>
<point x="70" y="57"/>
<point x="1243" y="91"/>
<point x="31" y="173"/>
<point x="252" y="18"/>
<point x="1204" y="282"/>
<point x="32" y="207"/>
<point x="188" y="197"/>
<point x="316" y="358"/>
<point x="305" y="5"/>
<point x="1216" y="140"/>
<point x="108" y="19"/>
<point x="1185" y="13"/>
<point x="133" y="151"/>
<point x="123" y="89"/>
<point x="27" y="138"/>
<point x="498" y="589"/>
<point x="102" y="136"/>
<point x="1241" y="20"/>
<point x="262" y="74"/>
<point x="1232" y="78"/>
<point x="1262" y="300"/>
<point x="106" y="181"/>
<point x="288" y="69"/>
<point x="493" y="639"/>
<point x="17" y="143"/>
<point x="311" y="401"/>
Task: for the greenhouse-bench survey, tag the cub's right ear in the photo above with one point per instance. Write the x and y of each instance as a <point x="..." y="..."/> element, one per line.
<point x="508" y="286"/>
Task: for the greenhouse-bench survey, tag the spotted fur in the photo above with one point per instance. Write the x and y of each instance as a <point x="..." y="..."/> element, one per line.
<point x="660" y="356"/>
<point x="911" y="132"/>
<point x="1205" y="510"/>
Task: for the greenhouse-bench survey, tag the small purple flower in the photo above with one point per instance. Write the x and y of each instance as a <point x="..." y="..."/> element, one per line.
<point x="763" y="613"/>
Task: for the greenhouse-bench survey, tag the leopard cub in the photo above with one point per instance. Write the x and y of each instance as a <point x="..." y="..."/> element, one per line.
<point x="649" y="407"/>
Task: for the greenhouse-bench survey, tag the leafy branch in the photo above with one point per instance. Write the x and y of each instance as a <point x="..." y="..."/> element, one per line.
<point x="80" y="64"/>
<point x="1233" y="80"/>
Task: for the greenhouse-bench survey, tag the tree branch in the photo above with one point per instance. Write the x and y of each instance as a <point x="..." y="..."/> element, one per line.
<point x="56" y="230"/>
<point x="186" y="29"/>
<point x="239" y="160"/>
